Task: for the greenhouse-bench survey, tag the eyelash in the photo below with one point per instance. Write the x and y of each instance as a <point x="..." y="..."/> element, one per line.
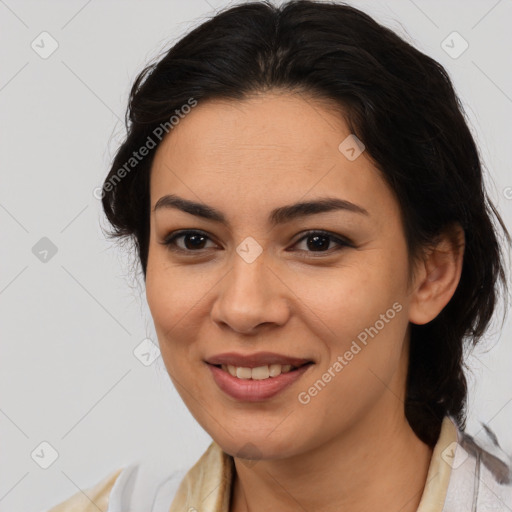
<point x="169" y="241"/>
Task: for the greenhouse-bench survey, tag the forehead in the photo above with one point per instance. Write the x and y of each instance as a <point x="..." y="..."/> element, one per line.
<point x="258" y="130"/>
<point x="270" y="149"/>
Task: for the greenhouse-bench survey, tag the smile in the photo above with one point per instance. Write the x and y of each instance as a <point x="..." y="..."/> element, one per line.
<point x="256" y="384"/>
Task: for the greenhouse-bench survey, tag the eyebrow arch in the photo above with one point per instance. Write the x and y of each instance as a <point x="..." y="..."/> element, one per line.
<point x="277" y="216"/>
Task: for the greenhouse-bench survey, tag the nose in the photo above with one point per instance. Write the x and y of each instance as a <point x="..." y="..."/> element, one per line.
<point x="249" y="296"/>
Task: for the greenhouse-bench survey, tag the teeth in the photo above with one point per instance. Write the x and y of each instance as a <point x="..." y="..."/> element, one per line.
<point x="276" y="369"/>
<point x="243" y="373"/>
<point x="258" y="373"/>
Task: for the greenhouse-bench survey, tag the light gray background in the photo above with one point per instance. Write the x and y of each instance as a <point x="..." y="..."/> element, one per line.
<point x="69" y="325"/>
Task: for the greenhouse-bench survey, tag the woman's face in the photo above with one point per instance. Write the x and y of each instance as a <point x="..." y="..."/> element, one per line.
<point x="253" y="283"/>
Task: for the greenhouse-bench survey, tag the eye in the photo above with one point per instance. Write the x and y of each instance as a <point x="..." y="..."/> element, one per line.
<point x="194" y="241"/>
<point x="319" y="241"/>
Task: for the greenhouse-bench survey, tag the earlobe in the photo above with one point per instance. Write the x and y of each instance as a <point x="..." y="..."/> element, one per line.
<point x="440" y="276"/>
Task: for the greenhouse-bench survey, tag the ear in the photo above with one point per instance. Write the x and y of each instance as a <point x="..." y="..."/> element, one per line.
<point x="438" y="276"/>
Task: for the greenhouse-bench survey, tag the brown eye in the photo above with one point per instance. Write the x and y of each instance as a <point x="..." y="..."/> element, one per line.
<point x="192" y="241"/>
<point x="319" y="241"/>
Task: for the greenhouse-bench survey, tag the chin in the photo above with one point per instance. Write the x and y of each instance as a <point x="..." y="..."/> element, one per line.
<point x="258" y="445"/>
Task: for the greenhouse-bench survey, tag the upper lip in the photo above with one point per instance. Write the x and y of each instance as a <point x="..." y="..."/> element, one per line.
<point x="255" y="360"/>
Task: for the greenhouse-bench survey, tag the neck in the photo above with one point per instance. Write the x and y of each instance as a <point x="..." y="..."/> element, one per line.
<point x="377" y="464"/>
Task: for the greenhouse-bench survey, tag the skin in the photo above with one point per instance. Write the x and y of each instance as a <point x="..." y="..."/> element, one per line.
<point x="350" y="447"/>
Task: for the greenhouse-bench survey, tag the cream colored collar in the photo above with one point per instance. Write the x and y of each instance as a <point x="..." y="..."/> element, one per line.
<point x="439" y="471"/>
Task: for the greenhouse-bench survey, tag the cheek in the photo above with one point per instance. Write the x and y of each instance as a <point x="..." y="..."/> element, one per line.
<point x="171" y="299"/>
<point x="178" y="298"/>
<point x="358" y="314"/>
<point x="345" y="300"/>
<point x="169" y="302"/>
<point x="171" y="292"/>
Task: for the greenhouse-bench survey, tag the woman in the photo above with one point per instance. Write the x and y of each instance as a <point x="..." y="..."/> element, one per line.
<point x="307" y="205"/>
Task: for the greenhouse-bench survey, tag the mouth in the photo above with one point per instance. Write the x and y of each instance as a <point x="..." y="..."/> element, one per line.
<point x="258" y="383"/>
<point x="262" y="372"/>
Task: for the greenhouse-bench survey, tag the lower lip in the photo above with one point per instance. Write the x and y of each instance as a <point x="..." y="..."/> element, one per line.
<point x="250" y="390"/>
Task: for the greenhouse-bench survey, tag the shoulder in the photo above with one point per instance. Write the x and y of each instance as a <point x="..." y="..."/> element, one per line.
<point x="136" y="486"/>
<point x="91" y="499"/>
<point x="141" y="485"/>
<point x="481" y="474"/>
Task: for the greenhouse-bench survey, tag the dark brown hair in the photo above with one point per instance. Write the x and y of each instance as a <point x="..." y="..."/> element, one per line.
<point x="399" y="102"/>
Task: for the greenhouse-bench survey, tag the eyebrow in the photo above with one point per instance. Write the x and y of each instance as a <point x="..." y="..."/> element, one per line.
<point x="277" y="216"/>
